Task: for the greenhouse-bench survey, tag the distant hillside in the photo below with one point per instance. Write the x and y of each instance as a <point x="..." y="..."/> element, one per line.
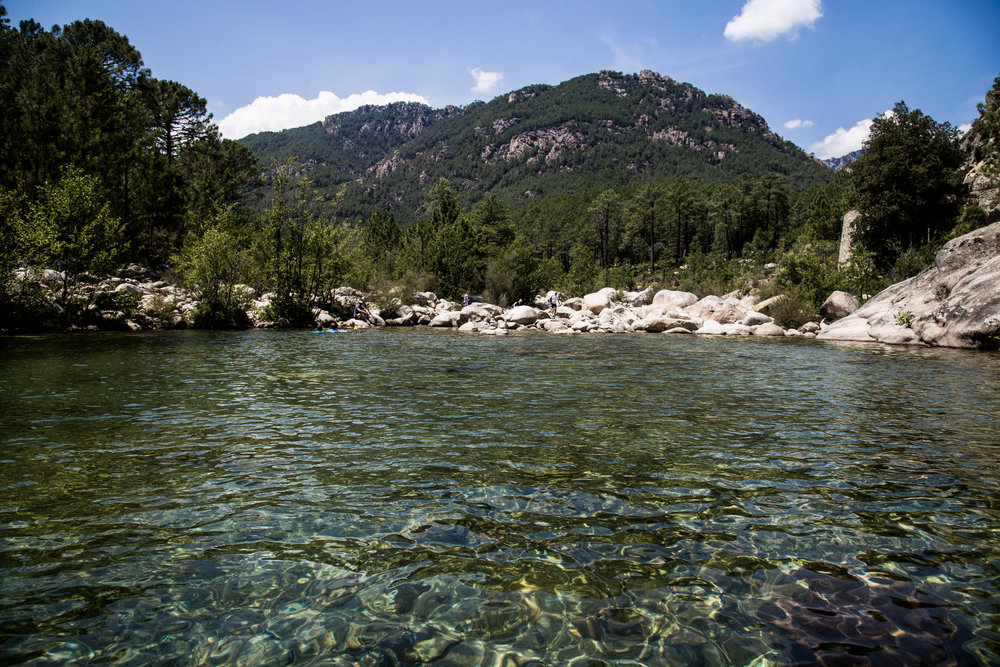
<point x="838" y="163"/>
<point x="586" y="134"/>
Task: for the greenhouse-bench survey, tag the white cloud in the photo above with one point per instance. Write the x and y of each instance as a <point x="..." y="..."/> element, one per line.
<point x="486" y="82"/>
<point x="843" y="141"/>
<point x="797" y="123"/>
<point x="964" y="127"/>
<point x="767" y="20"/>
<point x="289" y="110"/>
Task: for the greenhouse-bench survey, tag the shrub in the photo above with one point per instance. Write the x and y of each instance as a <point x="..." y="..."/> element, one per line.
<point x="793" y="310"/>
<point x="214" y="315"/>
<point x="160" y="309"/>
<point x="973" y="217"/>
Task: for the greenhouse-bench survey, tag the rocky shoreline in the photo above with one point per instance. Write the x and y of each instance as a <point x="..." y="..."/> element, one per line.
<point x="139" y="299"/>
<point x="954" y="303"/>
<point x="607" y="311"/>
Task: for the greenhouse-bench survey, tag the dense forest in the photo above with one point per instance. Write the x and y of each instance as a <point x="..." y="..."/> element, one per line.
<point x="103" y="165"/>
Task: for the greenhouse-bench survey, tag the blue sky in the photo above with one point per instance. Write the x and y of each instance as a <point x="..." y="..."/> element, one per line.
<point x="818" y="71"/>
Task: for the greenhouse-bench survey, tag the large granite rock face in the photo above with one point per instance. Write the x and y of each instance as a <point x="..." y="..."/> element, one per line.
<point x="954" y="303"/>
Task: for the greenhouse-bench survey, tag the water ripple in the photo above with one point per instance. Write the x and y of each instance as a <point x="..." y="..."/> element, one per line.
<point x="389" y="497"/>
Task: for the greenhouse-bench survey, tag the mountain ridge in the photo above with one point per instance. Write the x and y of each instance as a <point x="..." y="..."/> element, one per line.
<point x="591" y="132"/>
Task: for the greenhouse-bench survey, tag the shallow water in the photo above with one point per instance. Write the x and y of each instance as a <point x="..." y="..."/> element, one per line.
<point x="386" y="497"/>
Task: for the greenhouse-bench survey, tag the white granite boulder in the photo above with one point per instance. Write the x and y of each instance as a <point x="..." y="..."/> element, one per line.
<point x="446" y="318"/>
<point x="523" y="315"/>
<point x="674" y="299"/>
<point x="839" y="304"/>
<point x="599" y="300"/>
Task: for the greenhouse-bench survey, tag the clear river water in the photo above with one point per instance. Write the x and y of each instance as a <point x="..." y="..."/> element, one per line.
<point x="421" y="496"/>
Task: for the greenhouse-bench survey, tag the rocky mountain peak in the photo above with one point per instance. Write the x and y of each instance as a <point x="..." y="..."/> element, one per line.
<point x="587" y="132"/>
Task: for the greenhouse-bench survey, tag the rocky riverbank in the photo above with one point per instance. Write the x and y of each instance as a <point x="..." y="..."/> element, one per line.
<point x="140" y="299"/>
<point x="607" y="311"/>
<point x="954" y="303"/>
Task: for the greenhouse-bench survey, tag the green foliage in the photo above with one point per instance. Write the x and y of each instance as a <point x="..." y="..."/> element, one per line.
<point x="548" y="274"/>
<point x="25" y="305"/>
<point x="513" y="274"/>
<point x="216" y="264"/>
<point x="11" y="226"/>
<point x="582" y="276"/>
<point x="861" y="276"/>
<point x="572" y="186"/>
<point x="79" y="97"/>
<point x="987" y="126"/>
<point x="793" y="310"/>
<point x="304" y="255"/>
<point x="905" y="183"/>
<point x="161" y="309"/>
<point x="126" y="303"/>
<point x="904" y="318"/>
<point x="711" y="273"/>
<point x="70" y="227"/>
<point x="810" y="269"/>
<point x="381" y="238"/>
<point x="912" y="262"/>
<point x="973" y="217"/>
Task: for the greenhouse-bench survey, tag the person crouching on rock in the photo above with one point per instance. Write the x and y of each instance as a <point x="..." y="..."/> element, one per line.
<point x="362" y="313"/>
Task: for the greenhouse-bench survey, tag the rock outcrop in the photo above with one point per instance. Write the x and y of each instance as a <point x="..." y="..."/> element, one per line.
<point x="847" y="236"/>
<point x="954" y="303"/>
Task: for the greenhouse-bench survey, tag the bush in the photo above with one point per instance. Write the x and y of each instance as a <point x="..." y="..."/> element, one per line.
<point x="973" y="217"/>
<point x="793" y="310"/>
<point x="218" y="316"/>
<point x="290" y="309"/>
<point x="809" y="270"/>
<point x="160" y="309"/>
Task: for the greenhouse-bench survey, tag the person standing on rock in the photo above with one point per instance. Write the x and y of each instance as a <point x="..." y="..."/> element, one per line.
<point x="554" y="302"/>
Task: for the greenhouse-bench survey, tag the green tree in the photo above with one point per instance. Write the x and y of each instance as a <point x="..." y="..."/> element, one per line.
<point x="605" y="214"/>
<point x="583" y="271"/>
<point x="10" y="230"/>
<point x="987" y="126"/>
<point x="79" y="96"/>
<point x="510" y="273"/>
<point x="455" y="258"/>
<point x="216" y="262"/>
<point x="301" y="250"/>
<point x="492" y="221"/>
<point x="773" y="196"/>
<point x="70" y="228"/>
<point x="906" y="182"/>
<point x="443" y="204"/>
<point x="681" y="207"/>
<point x="648" y="210"/>
<point x="381" y="239"/>
<point x="179" y="116"/>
